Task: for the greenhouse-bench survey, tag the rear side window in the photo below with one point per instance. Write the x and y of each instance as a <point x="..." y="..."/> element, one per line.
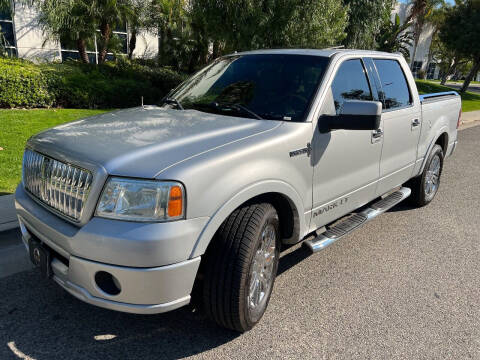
<point x="395" y="92"/>
<point x="350" y="83"/>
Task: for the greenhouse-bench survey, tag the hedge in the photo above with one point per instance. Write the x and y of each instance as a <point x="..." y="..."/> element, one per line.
<point x="112" y="85"/>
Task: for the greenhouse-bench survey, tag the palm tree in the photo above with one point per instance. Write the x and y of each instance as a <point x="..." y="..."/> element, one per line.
<point x="395" y="37"/>
<point x="67" y="21"/>
<point x="109" y="14"/>
<point x="419" y="13"/>
<point x="435" y="20"/>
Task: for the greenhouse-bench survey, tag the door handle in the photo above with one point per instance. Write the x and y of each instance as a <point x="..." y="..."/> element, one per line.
<point x="415" y="123"/>
<point x="377" y="135"/>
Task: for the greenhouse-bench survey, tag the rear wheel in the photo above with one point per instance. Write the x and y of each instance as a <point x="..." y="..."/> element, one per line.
<point x="241" y="267"/>
<point x="425" y="187"/>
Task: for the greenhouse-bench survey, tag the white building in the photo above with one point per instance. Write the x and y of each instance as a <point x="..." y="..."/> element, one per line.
<point x="420" y="62"/>
<point x="26" y="40"/>
<point x="421" y="57"/>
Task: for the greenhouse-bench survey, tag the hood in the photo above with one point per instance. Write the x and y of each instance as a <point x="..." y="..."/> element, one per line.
<point x="141" y="142"/>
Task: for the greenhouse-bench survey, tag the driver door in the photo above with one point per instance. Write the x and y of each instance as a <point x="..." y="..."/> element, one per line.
<point x="346" y="163"/>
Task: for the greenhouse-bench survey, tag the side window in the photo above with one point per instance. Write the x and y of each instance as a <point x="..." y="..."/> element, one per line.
<point x="350" y="83"/>
<point x="395" y="92"/>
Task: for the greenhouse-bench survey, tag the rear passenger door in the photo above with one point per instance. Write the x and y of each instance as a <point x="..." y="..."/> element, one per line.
<point x="401" y="123"/>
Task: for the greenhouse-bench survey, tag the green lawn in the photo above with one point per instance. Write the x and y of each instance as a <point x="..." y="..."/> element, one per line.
<point x="458" y="81"/>
<point x="470" y="100"/>
<point x="16" y="126"/>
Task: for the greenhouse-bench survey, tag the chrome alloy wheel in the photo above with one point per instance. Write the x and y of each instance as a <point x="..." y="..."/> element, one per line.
<point x="432" y="177"/>
<point x="261" y="271"/>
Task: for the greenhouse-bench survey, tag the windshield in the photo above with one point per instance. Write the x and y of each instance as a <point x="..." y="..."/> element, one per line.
<point x="263" y="86"/>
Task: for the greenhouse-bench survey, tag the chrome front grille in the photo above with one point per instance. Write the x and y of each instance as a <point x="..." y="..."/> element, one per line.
<point x="61" y="186"/>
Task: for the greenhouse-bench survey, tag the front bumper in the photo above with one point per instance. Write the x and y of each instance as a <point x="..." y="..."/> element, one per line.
<point x="152" y="263"/>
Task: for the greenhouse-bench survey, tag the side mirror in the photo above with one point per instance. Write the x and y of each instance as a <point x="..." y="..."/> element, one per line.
<point x="354" y="115"/>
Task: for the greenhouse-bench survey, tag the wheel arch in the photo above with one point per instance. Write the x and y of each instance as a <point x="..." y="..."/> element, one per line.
<point x="281" y="195"/>
<point x="441" y="138"/>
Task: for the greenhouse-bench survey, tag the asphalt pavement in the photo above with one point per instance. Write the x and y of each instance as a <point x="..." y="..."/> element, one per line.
<point x="405" y="286"/>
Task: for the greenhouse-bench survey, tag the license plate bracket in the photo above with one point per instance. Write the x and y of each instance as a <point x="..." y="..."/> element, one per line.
<point x="40" y="257"/>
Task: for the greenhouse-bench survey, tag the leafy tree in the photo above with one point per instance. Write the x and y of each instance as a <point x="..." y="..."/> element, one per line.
<point x="366" y="20"/>
<point x="172" y="20"/>
<point x="448" y="61"/>
<point x="460" y="34"/>
<point x="395" y="37"/>
<point x="236" y="25"/>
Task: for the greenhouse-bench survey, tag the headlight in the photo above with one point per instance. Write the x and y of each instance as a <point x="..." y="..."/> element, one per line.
<point x="142" y="200"/>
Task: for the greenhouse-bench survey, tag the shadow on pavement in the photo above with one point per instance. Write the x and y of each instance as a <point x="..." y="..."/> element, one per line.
<point x="40" y="320"/>
<point x="403" y="206"/>
<point x="290" y="259"/>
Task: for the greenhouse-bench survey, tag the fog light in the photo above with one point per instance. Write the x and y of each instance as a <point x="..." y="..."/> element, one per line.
<point x="107" y="283"/>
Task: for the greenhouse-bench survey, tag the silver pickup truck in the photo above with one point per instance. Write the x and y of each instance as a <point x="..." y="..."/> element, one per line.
<point x="129" y="210"/>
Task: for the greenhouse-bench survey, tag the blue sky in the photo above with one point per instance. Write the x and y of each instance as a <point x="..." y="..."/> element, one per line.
<point x="405" y="1"/>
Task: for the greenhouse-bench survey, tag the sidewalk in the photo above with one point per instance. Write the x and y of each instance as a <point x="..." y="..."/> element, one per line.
<point x="8" y="217"/>
<point x="468" y="118"/>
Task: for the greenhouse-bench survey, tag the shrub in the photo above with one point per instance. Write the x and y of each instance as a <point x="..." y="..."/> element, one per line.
<point x="76" y="85"/>
<point x="22" y="84"/>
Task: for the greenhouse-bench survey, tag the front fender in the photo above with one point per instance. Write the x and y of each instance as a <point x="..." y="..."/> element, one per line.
<point x="249" y="192"/>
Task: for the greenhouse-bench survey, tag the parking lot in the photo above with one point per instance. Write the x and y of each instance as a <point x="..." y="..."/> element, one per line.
<point x="406" y="285"/>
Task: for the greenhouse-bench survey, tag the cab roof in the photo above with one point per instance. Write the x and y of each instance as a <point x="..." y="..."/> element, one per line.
<point x="316" y="52"/>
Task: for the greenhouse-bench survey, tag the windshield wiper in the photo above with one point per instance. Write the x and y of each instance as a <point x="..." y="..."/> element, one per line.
<point x="171" y="100"/>
<point x="244" y="109"/>
<point x="237" y="107"/>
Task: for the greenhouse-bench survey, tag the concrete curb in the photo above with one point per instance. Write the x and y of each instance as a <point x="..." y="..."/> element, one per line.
<point x="469" y="119"/>
<point x="8" y="216"/>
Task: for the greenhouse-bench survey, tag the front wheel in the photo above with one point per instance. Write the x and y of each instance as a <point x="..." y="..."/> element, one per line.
<point x="425" y="187"/>
<point x="241" y="267"/>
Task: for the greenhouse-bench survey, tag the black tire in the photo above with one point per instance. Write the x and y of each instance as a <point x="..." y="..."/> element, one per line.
<point x="229" y="261"/>
<point x="420" y="196"/>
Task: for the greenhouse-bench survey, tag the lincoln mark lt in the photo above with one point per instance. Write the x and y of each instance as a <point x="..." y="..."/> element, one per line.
<point x="129" y="210"/>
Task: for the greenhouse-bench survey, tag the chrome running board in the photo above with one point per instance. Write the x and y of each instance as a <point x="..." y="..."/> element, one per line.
<point x="356" y="220"/>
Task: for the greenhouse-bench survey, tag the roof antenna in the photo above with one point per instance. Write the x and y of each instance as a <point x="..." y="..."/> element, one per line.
<point x="143" y="106"/>
<point x="336" y="47"/>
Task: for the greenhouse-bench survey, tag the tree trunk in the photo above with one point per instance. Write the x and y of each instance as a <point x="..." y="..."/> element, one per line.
<point x="450" y="70"/>
<point x="216" y="49"/>
<point x="106" y="32"/>
<point x="444" y="78"/>
<point x="430" y="54"/>
<point x="414" y="52"/>
<point x="471" y="74"/>
<point x="133" y="43"/>
<point x="82" y="50"/>
<point x="161" y="46"/>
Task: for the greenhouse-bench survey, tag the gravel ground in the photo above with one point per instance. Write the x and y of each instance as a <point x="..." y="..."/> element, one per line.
<point x="406" y="285"/>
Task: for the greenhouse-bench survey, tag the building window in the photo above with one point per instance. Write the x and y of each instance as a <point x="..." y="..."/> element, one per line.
<point x="118" y="45"/>
<point x="7" y="34"/>
<point x="417" y="65"/>
<point x="431" y="71"/>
